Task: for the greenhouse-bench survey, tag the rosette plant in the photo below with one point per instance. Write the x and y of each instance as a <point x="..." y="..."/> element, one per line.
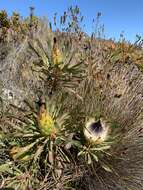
<point x="59" y="63"/>
<point x="46" y="149"/>
<point x="35" y="146"/>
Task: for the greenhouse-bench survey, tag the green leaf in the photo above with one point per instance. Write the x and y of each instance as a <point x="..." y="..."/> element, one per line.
<point x="37" y="47"/>
<point x="6" y="167"/>
<point x="101" y="148"/>
<point x="76" y="143"/>
<point x="1" y="135"/>
<point x="61" y="120"/>
<point x="106" y="168"/>
<point x="95" y="157"/>
<point x="89" y="160"/>
<point x="81" y="153"/>
<point x="39" y="150"/>
<point x="115" y="125"/>
<point x="24" y="150"/>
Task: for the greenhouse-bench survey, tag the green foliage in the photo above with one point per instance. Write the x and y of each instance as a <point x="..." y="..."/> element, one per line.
<point x="58" y="68"/>
<point x="36" y="155"/>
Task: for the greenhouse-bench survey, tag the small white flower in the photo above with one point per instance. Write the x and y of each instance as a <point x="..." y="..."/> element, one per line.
<point x="96" y="131"/>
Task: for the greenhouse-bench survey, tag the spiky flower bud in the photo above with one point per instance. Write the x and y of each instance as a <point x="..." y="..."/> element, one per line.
<point x="56" y="54"/>
<point x="46" y="122"/>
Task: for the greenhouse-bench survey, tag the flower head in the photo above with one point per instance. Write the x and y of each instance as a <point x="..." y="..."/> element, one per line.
<point x="96" y="131"/>
<point x="46" y="122"/>
<point x="56" y="54"/>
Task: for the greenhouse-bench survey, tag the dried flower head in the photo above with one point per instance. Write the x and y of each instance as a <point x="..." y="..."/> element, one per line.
<point x="96" y="131"/>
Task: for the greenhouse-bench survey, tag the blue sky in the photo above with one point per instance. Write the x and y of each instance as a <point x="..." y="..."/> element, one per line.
<point x="117" y="15"/>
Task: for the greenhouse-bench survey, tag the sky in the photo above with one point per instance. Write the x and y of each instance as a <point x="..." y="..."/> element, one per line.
<point x="118" y="16"/>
